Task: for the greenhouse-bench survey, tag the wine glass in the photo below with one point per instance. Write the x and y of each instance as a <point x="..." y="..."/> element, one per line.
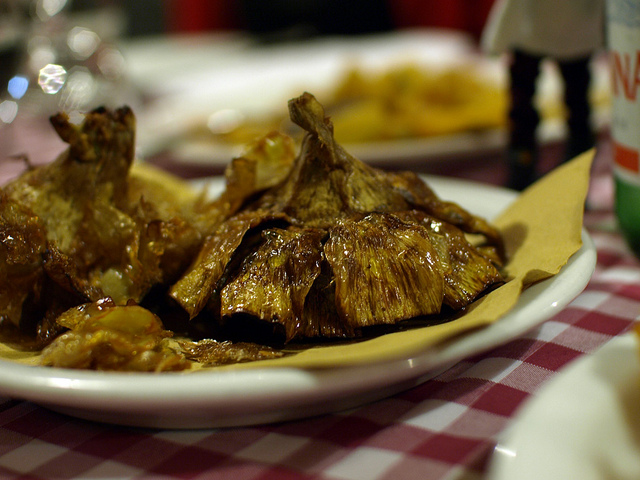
<point x="55" y="62"/>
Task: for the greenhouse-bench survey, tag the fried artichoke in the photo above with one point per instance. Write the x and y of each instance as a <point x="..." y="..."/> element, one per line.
<point x="106" y="336"/>
<point x="338" y="246"/>
<point x="316" y="245"/>
<point x="83" y="228"/>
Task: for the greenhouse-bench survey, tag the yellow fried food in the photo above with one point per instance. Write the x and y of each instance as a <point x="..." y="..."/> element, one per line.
<point x="413" y="102"/>
<point x="403" y="102"/>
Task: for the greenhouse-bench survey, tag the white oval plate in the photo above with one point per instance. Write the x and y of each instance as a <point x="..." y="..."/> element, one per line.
<point x="229" y="72"/>
<point x="260" y="395"/>
<point x="585" y="423"/>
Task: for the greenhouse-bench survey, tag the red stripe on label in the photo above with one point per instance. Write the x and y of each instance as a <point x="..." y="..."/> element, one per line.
<point x="626" y="157"/>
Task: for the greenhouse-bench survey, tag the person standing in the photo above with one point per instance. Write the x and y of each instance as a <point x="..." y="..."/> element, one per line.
<point x="567" y="32"/>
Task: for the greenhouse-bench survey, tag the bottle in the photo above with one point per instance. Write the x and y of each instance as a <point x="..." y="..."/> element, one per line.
<point x="623" y="39"/>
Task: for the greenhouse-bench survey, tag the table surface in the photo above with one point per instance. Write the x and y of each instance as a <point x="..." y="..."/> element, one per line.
<point x="446" y="428"/>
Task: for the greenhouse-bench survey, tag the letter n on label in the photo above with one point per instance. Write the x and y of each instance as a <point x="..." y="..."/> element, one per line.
<point x="626" y="157"/>
<point x="626" y="71"/>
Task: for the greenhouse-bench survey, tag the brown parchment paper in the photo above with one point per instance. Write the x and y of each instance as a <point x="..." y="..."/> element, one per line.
<point x="541" y="228"/>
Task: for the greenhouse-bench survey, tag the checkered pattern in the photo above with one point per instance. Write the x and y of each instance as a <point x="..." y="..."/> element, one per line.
<point x="445" y="428"/>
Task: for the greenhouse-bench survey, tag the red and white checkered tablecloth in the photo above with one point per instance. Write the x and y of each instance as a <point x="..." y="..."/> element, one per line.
<point x="445" y="428"/>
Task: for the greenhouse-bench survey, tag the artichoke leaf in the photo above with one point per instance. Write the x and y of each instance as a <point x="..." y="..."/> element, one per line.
<point x="274" y="281"/>
<point x="467" y="272"/>
<point x="385" y="270"/>
<point x="22" y="248"/>
<point x="194" y="289"/>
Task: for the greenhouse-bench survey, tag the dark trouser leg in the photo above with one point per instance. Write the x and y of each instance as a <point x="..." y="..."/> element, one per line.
<point x="577" y="78"/>
<point x="523" y="120"/>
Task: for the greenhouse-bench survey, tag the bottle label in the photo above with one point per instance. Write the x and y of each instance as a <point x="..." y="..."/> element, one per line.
<point x="623" y="35"/>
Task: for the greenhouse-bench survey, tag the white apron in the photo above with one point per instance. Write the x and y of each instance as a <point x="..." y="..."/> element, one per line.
<point x="561" y="29"/>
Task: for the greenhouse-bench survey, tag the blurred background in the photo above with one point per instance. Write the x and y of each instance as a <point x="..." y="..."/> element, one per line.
<point x="286" y="19"/>
<point x="405" y="81"/>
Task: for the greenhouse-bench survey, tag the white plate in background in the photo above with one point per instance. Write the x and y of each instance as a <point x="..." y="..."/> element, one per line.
<point x="583" y="424"/>
<point x="191" y="77"/>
